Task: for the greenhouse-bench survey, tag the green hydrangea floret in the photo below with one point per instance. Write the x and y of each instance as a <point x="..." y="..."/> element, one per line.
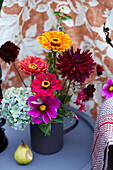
<point x="14" y="107"/>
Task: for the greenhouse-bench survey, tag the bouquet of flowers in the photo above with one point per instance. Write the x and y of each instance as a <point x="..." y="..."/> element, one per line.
<point x="43" y="103"/>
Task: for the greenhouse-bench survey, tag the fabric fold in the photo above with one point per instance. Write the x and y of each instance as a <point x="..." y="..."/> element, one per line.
<point x="103" y="136"/>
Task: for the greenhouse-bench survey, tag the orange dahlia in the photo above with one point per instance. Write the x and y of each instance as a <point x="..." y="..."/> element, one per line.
<point x="33" y="65"/>
<point x="55" y="41"/>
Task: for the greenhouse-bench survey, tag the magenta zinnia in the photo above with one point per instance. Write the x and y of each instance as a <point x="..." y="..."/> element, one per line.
<point x="75" y="65"/>
<point x="44" y="85"/>
<point x="44" y="110"/>
<point x="33" y="65"/>
<point x="107" y="90"/>
<point x="9" y="52"/>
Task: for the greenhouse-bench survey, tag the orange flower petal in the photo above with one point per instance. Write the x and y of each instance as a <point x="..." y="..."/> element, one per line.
<point x="47" y="37"/>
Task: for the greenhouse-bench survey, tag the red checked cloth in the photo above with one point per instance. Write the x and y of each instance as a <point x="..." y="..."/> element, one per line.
<point x="103" y="136"/>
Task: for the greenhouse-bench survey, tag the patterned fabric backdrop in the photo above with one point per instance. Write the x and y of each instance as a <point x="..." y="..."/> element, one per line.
<point x="22" y="21"/>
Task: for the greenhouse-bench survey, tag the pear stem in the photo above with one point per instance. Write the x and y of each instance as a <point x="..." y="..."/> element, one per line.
<point x="22" y="142"/>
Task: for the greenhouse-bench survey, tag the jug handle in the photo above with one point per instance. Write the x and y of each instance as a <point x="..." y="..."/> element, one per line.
<point x="71" y="128"/>
<point x="2" y="122"/>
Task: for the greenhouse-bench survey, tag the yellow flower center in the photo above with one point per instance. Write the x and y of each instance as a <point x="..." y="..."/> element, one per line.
<point x="42" y="107"/>
<point x="111" y="88"/>
<point x="55" y="42"/>
<point x="33" y="65"/>
<point x="45" y="84"/>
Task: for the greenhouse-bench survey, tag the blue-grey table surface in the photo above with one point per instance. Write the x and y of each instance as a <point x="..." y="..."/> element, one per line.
<point x="76" y="153"/>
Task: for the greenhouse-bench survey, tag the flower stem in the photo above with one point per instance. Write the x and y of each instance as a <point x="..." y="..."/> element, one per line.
<point x="69" y="86"/>
<point x="67" y="90"/>
<point x="19" y="74"/>
<point x="54" y="59"/>
<point x="32" y="78"/>
<point x="63" y="85"/>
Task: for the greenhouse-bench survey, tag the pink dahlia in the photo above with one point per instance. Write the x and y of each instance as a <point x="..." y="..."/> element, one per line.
<point x="107" y="90"/>
<point x="44" y="110"/>
<point x="75" y="65"/>
<point x="44" y="85"/>
<point x="9" y="52"/>
<point x="33" y="65"/>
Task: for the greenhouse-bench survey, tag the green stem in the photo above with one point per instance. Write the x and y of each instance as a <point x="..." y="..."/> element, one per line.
<point x="50" y="57"/>
<point x="69" y="86"/>
<point x="54" y="59"/>
<point x="67" y="90"/>
<point x="1" y="4"/>
<point x="22" y="142"/>
<point x="63" y="85"/>
<point x="19" y="74"/>
<point x="60" y="21"/>
<point x="32" y="78"/>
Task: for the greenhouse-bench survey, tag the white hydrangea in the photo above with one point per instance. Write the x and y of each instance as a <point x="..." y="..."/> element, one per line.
<point x="14" y="107"/>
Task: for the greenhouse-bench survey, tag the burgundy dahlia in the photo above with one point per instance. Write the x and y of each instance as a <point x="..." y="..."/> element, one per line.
<point x="9" y="52"/>
<point x="89" y="90"/>
<point x="75" y="65"/>
<point x="99" y="69"/>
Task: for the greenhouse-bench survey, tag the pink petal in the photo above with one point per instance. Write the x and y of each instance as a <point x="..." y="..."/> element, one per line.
<point x="51" y="77"/>
<point x="46" y="100"/>
<point x="32" y="101"/>
<point x="37" y="120"/>
<point x="46" y="117"/>
<point x="54" y="102"/>
<point x="51" y="111"/>
<point x="34" y="112"/>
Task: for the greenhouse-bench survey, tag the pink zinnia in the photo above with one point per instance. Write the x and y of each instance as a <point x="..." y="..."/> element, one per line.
<point x="33" y="65"/>
<point x="44" y="110"/>
<point x="44" y="85"/>
<point x="107" y="90"/>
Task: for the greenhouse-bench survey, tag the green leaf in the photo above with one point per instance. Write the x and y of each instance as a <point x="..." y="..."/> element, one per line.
<point x="66" y="16"/>
<point x="65" y="112"/>
<point x="58" y="71"/>
<point x="63" y="19"/>
<point x="58" y="121"/>
<point x="48" y="61"/>
<point x="45" y="128"/>
<point x="67" y="99"/>
<point x="62" y="29"/>
<point x="62" y="112"/>
<point x="50" y="54"/>
<point x="57" y="13"/>
<point x="54" y="93"/>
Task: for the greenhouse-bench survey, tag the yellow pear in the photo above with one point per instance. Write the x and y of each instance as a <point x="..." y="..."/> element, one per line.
<point x="23" y="154"/>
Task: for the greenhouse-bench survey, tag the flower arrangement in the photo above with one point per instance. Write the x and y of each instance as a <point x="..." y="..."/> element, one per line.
<point x="43" y="103"/>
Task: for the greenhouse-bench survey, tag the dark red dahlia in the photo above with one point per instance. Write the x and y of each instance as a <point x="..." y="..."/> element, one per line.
<point x="9" y="52"/>
<point x="99" y="69"/>
<point x="89" y="90"/>
<point x="75" y="65"/>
